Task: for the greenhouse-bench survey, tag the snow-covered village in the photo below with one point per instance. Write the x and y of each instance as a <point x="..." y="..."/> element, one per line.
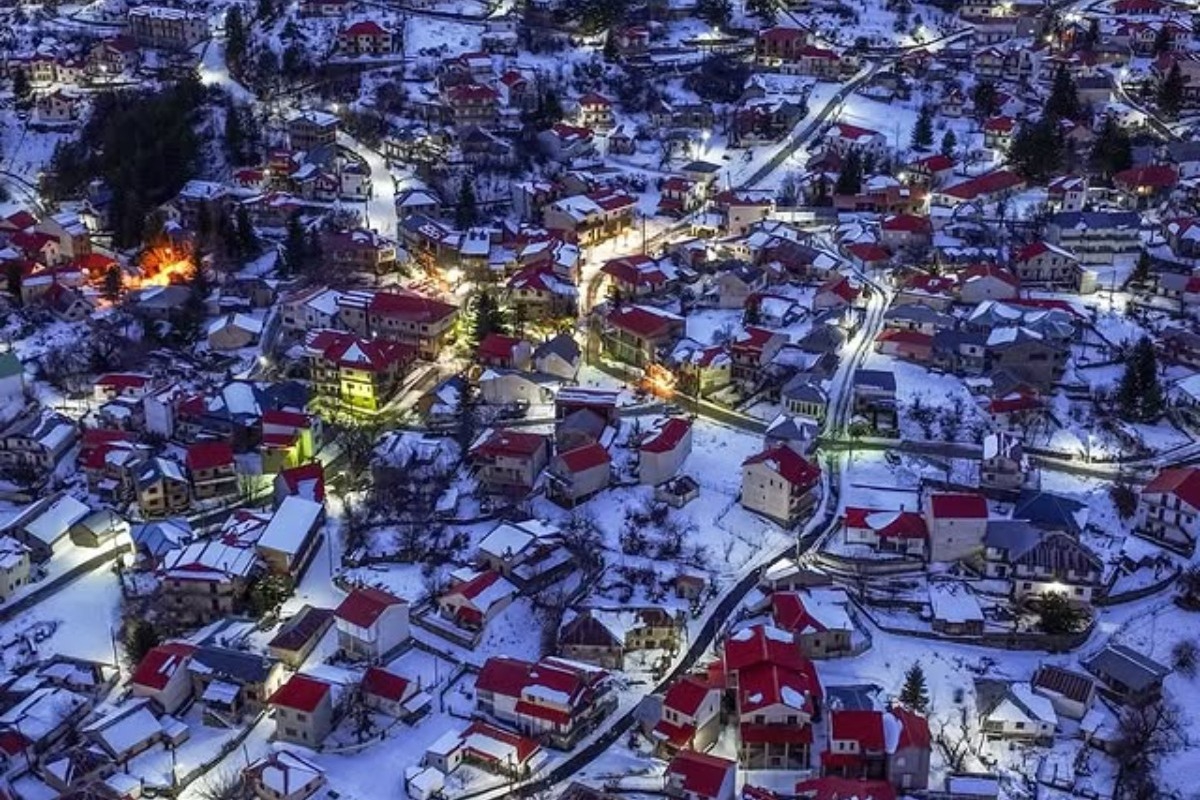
<point x="599" y="399"/>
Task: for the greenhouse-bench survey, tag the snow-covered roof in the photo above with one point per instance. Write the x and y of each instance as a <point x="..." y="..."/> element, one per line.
<point x="291" y="525"/>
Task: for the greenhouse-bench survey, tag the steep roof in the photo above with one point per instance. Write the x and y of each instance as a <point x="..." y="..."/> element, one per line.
<point x="365" y="605"/>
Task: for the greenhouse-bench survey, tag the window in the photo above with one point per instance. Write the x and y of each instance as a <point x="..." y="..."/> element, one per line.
<point x="301" y="717"/>
<point x="1019" y="726"/>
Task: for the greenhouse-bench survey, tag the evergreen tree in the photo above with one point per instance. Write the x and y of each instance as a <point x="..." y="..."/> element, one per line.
<point x="1037" y="149"/>
<point x="235" y="136"/>
<point x="295" y="245"/>
<point x="247" y="237"/>
<point x="1063" y="102"/>
<point x="1162" y="40"/>
<point x="610" y="52"/>
<point x="140" y="638"/>
<point x="915" y="694"/>
<point x="984" y="98"/>
<point x="849" y="180"/>
<point x="949" y="142"/>
<point x="1170" y="92"/>
<point x="235" y="37"/>
<point x="1093" y="33"/>
<point x="14" y="278"/>
<point x="1056" y="614"/>
<point x="765" y="10"/>
<point x="1141" y="270"/>
<point x="1140" y="395"/>
<point x="488" y="318"/>
<point x="715" y="12"/>
<point x="314" y="253"/>
<point x="111" y="289"/>
<point x="1112" y="150"/>
<point x="266" y="9"/>
<point x="20" y="84"/>
<point x="922" y="133"/>
<point x="466" y="210"/>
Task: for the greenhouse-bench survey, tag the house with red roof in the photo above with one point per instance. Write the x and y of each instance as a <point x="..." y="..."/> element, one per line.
<point x="579" y="473"/>
<point x="401" y="316"/>
<point x="112" y="385"/>
<point x="473" y="603"/>
<point x="887" y="531"/>
<point x="485" y="747"/>
<point x="505" y="352"/>
<point x="371" y="623"/>
<point x="361" y="374"/>
<point x="1146" y="185"/>
<point x="780" y="484"/>
<point x="980" y="282"/>
<point x="987" y="188"/>
<point x="636" y="276"/>
<point x="586" y="219"/>
<point x="1044" y="264"/>
<point x="542" y="292"/>
<point x="820" y="630"/>
<point x="306" y="480"/>
<point x="393" y="694"/>
<point x="689" y="717"/>
<point x="908" y="345"/>
<point x="303" y="710"/>
<point x="288" y="438"/>
<point x="777" y="694"/>
<point x="779" y="45"/>
<point x="212" y="469"/>
<point x="638" y="335"/>
<point x="931" y="171"/>
<point x="844" y="137"/>
<point x="700" y="776"/>
<point x="595" y="111"/>
<point x="751" y="351"/>
<point x="905" y="230"/>
<point x="555" y="700"/>
<point x="162" y="676"/>
<point x="892" y="746"/>
<point x="509" y="461"/>
<point x="663" y="450"/>
<point x="957" y="524"/>
<point x="1169" y="508"/>
<point x="364" y="38"/>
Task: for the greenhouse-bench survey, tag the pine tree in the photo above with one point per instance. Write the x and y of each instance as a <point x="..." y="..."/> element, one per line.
<point x="1056" y="614"/>
<point x="914" y="694"/>
<point x="235" y="37"/>
<point x="715" y="12"/>
<point x="765" y="10"/>
<point x="295" y="245"/>
<point x="314" y="253"/>
<point x="1162" y="40"/>
<point x="1112" y="150"/>
<point x="849" y="180"/>
<point x="1140" y="395"/>
<point x="488" y="318"/>
<point x="1063" y="102"/>
<point x="111" y="289"/>
<point x="266" y="9"/>
<point x="1170" y="92"/>
<point x="1141" y="270"/>
<point x="20" y="83"/>
<point x="247" y="237"/>
<point x="140" y="638"/>
<point x="949" y="142"/>
<point x="14" y="278"/>
<point x="922" y="133"/>
<point x="1037" y="149"/>
<point x="984" y="98"/>
<point x="235" y="136"/>
<point x="466" y="210"/>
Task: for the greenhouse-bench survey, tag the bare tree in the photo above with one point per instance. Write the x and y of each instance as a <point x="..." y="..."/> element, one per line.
<point x="223" y="785"/>
<point x="953" y="739"/>
<point x="1145" y="736"/>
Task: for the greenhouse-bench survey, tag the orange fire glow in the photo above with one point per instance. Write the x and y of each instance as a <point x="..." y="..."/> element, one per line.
<point x="161" y="266"/>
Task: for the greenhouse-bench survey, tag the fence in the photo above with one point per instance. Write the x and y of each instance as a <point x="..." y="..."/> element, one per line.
<point x="870" y="566"/>
<point x="205" y="767"/>
<point x="1139" y="594"/>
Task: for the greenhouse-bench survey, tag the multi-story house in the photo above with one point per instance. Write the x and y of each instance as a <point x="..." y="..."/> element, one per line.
<point x="957" y="525"/>
<point x="212" y="469"/>
<point x="887" y="531"/>
<point x="311" y="130"/>
<point x="638" y="335"/>
<point x="1096" y="237"/>
<point x="778" y="46"/>
<point x="663" y="450"/>
<point x="1169" y="508"/>
<point x="406" y="317"/>
<point x="473" y="104"/>
<point x="700" y="776"/>
<point x="303" y="710"/>
<point x="359" y="373"/>
<point x="587" y="219"/>
<point x="751" y="351"/>
<point x="893" y="745"/>
<point x="595" y="111"/>
<point x="38" y="439"/>
<point x="14" y="566"/>
<point x="552" y="699"/>
<point x="365" y="38"/>
<point x="474" y="602"/>
<point x="777" y="696"/>
<point x="359" y="251"/>
<point x="875" y="398"/>
<point x="780" y="484"/>
<point x="371" y="623"/>
<point x="170" y="28"/>
<point x="1035" y="562"/>
<point x="159" y="486"/>
<point x="1048" y="265"/>
<point x="1026" y="354"/>
<point x="540" y="292"/>
<point x="206" y="581"/>
<point x="690" y="716"/>
<point x="508" y="461"/>
<point x="1004" y="466"/>
<point x="604" y="637"/>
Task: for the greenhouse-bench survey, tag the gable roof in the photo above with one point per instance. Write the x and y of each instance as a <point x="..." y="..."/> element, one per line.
<point x="301" y="693"/>
<point x="365" y="605"/>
